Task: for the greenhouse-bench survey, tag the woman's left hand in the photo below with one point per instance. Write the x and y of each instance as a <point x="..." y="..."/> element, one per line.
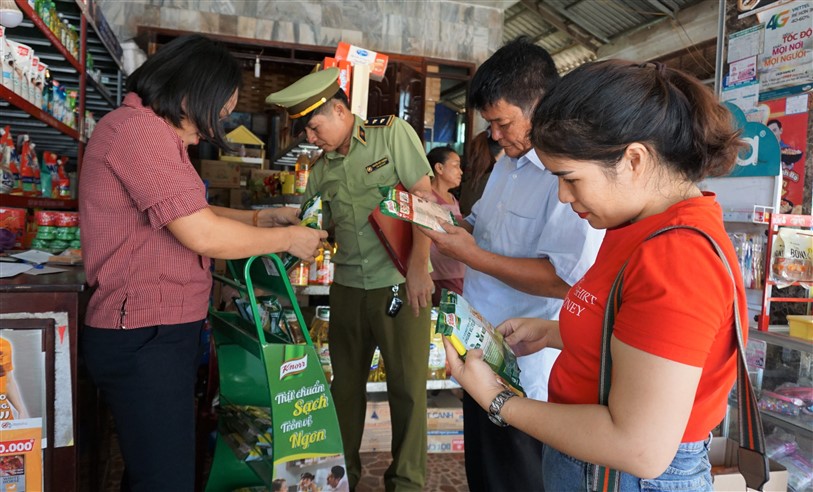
<point x="278" y="216"/>
<point x="473" y="374"/>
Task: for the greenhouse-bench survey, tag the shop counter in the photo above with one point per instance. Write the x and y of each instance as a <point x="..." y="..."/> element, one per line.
<point x="60" y="297"/>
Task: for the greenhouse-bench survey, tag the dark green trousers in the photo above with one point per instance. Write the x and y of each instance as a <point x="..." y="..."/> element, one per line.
<point x="358" y="323"/>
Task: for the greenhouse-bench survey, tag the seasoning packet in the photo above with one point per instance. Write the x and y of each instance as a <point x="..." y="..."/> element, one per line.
<point x="466" y="329"/>
<point x="405" y="206"/>
<point x="310" y="215"/>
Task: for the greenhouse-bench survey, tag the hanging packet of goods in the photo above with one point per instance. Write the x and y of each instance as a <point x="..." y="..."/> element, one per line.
<point x="405" y="206"/>
<point x="466" y="329"/>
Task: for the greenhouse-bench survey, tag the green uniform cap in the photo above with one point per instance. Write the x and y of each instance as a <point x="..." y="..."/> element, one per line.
<point x="307" y="93"/>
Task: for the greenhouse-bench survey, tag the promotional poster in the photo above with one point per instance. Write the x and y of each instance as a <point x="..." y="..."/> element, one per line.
<point x="787" y="119"/>
<point x="22" y="409"/>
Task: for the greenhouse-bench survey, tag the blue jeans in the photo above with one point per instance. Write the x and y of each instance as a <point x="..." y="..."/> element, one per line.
<point x="690" y="471"/>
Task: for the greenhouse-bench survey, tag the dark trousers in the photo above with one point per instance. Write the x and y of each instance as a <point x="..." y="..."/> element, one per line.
<point x="499" y="458"/>
<point x="147" y="378"/>
<point x="357" y="324"/>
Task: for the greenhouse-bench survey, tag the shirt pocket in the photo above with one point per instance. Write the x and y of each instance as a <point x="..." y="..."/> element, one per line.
<point x="380" y="172"/>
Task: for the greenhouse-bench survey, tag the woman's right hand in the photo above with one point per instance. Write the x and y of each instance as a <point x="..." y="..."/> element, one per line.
<point x="305" y="242"/>
<point x="530" y="335"/>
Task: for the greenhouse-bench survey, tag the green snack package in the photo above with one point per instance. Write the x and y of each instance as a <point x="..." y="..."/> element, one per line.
<point x="466" y="329"/>
<point x="403" y="205"/>
<point x="310" y="215"/>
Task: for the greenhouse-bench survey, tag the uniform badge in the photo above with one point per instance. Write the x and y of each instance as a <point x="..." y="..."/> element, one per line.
<point x="377" y="165"/>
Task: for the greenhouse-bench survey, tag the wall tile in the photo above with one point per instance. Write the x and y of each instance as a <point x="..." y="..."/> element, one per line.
<point x="352" y="37"/>
<point x="290" y="11"/>
<point x="329" y="36"/>
<point x="264" y="29"/>
<point x="227" y="24"/>
<point x="209" y="22"/>
<point x="178" y="4"/>
<point x="170" y="18"/>
<point x="247" y="8"/>
<point x="220" y="6"/>
<point x="355" y="15"/>
<point x="151" y="16"/>
<point x="246" y="26"/>
<point x="189" y="20"/>
<point x="283" y="31"/>
<point x="305" y="33"/>
<point x="450" y="12"/>
<point x="332" y="14"/>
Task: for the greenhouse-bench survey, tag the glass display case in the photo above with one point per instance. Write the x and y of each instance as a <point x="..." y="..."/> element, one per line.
<point x="781" y="370"/>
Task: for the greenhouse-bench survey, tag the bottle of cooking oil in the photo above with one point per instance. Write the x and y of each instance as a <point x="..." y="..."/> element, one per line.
<point x="437" y="352"/>
<point x="319" y="335"/>
<point x="375" y="365"/>
<point x="302" y="170"/>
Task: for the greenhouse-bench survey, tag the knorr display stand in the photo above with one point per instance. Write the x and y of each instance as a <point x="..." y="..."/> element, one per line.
<point x="261" y="371"/>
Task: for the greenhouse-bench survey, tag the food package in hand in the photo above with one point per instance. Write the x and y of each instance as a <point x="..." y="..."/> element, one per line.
<point x="411" y="208"/>
<point x="467" y="329"/>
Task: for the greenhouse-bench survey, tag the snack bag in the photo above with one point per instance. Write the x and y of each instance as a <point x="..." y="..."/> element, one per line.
<point x="411" y="208"/>
<point x="467" y="329"/>
<point x="792" y="253"/>
<point x="310" y="214"/>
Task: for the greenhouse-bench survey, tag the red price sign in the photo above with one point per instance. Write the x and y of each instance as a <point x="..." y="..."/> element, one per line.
<point x="16" y="447"/>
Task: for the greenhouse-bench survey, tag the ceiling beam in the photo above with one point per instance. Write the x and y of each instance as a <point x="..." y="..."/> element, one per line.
<point x="663" y="8"/>
<point x="556" y="21"/>
<point x="692" y="26"/>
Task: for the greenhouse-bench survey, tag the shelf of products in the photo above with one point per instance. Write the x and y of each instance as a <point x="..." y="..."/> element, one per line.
<point x="89" y="66"/>
<point x="17" y="201"/>
<point x="431" y="384"/>
<point x="786" y="268"/>
<point x="781" y="368"/>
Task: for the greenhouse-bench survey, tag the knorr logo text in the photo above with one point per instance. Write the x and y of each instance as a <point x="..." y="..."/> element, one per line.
<point x="292" y="367"/>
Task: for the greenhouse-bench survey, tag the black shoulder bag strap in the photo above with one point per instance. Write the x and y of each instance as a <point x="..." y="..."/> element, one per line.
<point x="753" y="463"/>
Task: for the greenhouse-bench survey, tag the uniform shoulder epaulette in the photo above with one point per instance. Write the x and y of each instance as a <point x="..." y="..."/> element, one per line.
<point x="380" y="121"/>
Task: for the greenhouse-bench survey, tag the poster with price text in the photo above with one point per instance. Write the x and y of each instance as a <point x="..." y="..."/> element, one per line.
<point x="307" y="442"/>
<point x="787" y="56"/>
<point x="20" y="456"/>
<point x="790" y="128"/>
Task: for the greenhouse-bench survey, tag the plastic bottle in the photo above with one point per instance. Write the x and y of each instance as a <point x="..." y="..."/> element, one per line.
<point x="303" y="169"/>
<point x="299" y="275"/>
<point x="315" y="267"/>
<point x="375" y="364"/>
<point x="323" y="275"/>
<point x="319" y="334"/>
<point x="437" y="352"/>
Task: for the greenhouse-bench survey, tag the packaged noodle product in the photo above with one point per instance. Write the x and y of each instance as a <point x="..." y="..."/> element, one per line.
<point x="467" y="329"/>
<point x="310" y="215"/>
<point x="792" y="253"/>
<point x="411" y="208"/>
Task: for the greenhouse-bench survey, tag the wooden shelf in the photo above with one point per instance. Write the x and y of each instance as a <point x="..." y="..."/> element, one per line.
<point x="23" y="104"/>
<point x="431" y="384"/>
<point x="55" y="42"/>
<point x="17" y="201"/>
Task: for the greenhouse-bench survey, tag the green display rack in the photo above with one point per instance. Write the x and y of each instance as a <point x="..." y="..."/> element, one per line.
<point x="258" y="369"/>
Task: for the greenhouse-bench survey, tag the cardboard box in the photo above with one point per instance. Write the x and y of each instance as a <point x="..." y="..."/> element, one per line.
<point x="13" y="219"/>
<point x="444" y="412"/>
<point x="219" y="197"/>
<point x="360" y="56"/>
<point x="220" y="174"/>
<point x="240" y="198"/>
<point x="723" y="454"/>
<point x="445" y="441"/>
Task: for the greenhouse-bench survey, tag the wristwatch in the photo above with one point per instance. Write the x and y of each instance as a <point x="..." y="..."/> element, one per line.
<point x="496" y="406"/>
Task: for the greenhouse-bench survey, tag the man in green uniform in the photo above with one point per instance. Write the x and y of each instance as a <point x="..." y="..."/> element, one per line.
<point x="359" y="157"/>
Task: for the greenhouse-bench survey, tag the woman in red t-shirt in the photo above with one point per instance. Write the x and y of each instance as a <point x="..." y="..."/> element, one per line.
<point x="629" y="143"/>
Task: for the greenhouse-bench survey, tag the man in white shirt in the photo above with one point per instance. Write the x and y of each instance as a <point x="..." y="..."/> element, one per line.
<point x="523" y="248"/>
<point x="336" y="481"/>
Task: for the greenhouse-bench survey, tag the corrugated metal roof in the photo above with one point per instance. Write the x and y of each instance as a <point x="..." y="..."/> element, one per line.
<point x="573" y="30"/>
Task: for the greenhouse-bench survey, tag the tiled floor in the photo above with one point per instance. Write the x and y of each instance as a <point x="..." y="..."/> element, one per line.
<point x="446" y="471"/>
